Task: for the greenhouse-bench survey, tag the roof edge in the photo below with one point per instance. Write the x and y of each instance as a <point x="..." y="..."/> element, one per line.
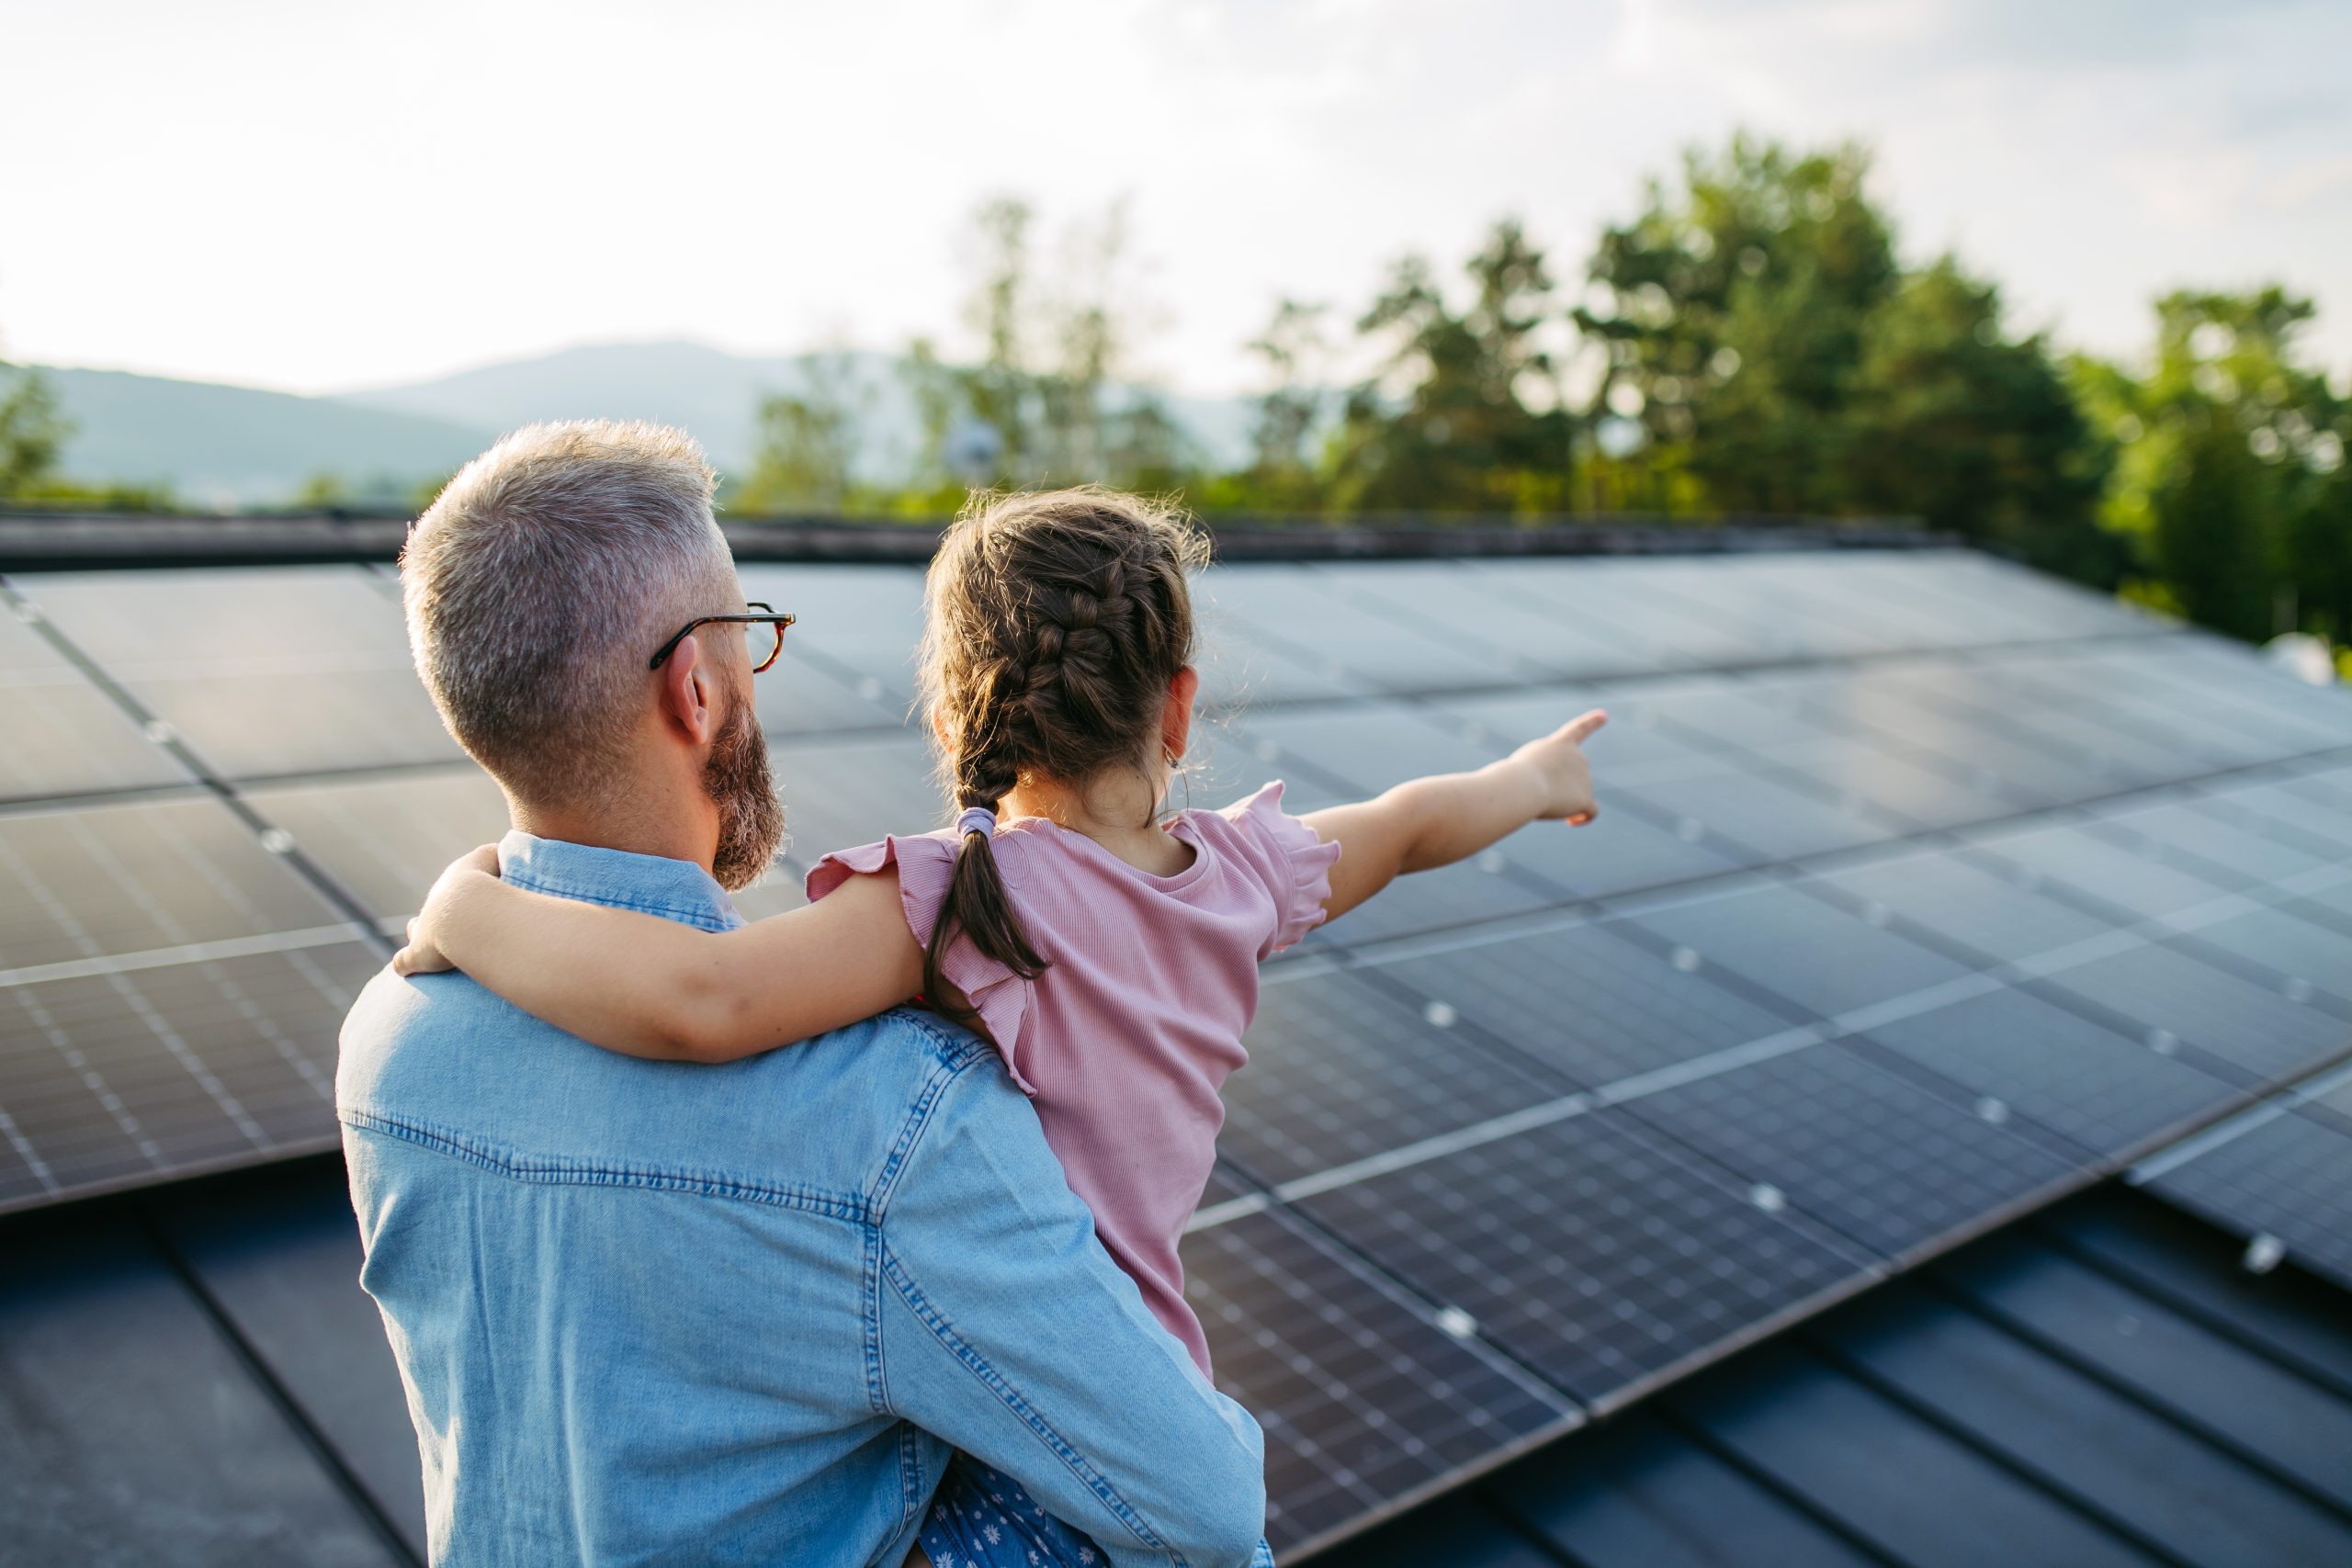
<point x="52" y="541"/>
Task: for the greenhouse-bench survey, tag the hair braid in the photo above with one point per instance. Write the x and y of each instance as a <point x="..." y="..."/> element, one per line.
<point x="1056" y="623"/>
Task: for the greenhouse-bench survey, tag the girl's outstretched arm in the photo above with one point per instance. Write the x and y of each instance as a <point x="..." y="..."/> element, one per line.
<point x="1433" y="821"/>
<point x="654" y="987"/>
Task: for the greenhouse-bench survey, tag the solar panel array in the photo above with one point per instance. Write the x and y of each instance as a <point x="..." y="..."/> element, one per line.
<point x="1924" y="890"/>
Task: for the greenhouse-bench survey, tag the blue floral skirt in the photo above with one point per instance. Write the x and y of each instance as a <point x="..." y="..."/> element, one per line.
<point x="981" y="1518"/>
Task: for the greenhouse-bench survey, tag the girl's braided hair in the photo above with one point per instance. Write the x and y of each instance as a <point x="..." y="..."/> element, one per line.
<point x="1054" y="623"/>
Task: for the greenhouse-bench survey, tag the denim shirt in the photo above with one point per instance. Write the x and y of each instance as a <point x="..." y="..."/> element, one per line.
<point x="652" y="1311"/>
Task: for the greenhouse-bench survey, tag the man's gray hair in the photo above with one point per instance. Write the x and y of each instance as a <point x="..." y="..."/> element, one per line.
<point x="538" y="584"/>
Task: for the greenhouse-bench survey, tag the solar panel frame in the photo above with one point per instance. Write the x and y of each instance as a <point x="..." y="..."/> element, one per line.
<point x="260" y="671"/>
<point x="1342" y="1071"/>
<point x="1595" y="1008"/>
<point x="2289" y="1178"/>
<point x="1366" y="1403"/>
<point x="1580" y="1204"/>
<point x="1867" y="1153"/>
<point x="1773" y="936"/>
<point x="2109" y="1094"/>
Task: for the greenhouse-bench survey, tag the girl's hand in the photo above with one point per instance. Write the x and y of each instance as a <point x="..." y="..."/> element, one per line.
<point x="1566" y="778"/>
<point x="423" y="955"/>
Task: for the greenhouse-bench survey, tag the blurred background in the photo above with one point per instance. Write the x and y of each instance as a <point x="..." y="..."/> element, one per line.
<point x="2068" y="282"/>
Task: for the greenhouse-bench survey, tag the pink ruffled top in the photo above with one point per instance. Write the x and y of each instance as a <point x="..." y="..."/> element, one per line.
<point x="1126" y="1038"/>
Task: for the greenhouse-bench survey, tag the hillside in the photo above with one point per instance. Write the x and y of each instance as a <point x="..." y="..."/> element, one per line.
<point x="224" y="446"/>
<point x="218" y="445"/>
<point x="717" y="395"/>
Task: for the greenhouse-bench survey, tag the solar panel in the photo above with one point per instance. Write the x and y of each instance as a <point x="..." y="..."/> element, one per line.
<point x="1875" y="700"/>
<point x="858" y="623"/>
<point x="1899" y="786"/>
<point x="97" y="881"/>
<point x="2280" y="810"/>
<point x="1589" y="1250"/>
<point x="798" y="697"/>
<point x="263" y="672"/>
<point x="385" y="839"/>
<point x="1768" y="819"/>
<point x="1360" y="749"/>
<point x="134" y="1428"/>
<point x="1539" y="643"/>
<point x="1779" y="625"/>
<point x="1963" y="901"/>
<point x="2286" y="944"/>
<point x="1363" y="1399"/>
<point x="2288" y="1177"/>
<point x="1290" y="610"/>
<point x="2107" y="1092"/>
<point x="117" y="1077"/>
<point x="1498" y="1152"/>
<point x="2162" y="994"/>
<point x="1788" y="943"/>
<point x="1584" y="1003"/>
<point x="1869" y="1154"/>
<point x="841" y="793"/>
<point x="172" y="995"/>
<point x="64" y="736"/>
<point x="1341" y="1071"/>
<point x="2089" y="866"/>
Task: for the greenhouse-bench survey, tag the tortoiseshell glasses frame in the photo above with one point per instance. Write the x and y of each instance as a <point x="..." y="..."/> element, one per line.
<point x="754" y="614"/>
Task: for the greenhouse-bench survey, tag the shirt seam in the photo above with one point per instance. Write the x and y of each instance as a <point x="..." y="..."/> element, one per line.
<point x="1092" y="1479"/>
<point x="562" y="1170"/>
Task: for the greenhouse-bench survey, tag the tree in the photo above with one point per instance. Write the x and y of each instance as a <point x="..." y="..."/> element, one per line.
<point x="2229" y="472"/>
<point x="807" y="441"/>
<point x="33" y="432"/>
<point x="1733" y="313"/>
<point x="1282" y="477"/>
<point x="1953" y="422"/>
<point x="1464" y="412"/>
<point x="1052" y="398"/>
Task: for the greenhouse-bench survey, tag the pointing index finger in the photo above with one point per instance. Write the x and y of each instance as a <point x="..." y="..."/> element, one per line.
<point x="1584" y="724"/>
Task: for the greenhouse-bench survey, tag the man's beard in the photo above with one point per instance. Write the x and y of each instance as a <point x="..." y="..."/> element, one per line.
<point x="750" y="818"/>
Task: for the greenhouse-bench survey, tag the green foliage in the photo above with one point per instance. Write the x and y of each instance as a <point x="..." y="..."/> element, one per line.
<point x="1733" y="313"/>
<point x="2229" y="478"/>
<point x="808" y="442"/>
<point x="1952" y="421"/>
<point x="1046" y="402"/>
<point x="1464" y="412"/>
<point x="32" y="433"/>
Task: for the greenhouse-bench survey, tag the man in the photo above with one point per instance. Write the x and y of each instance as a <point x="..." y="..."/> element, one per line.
<point x="654" y="1312"/>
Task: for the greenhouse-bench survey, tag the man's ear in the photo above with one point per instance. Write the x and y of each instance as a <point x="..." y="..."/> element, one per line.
<point x="690" y="693"/>
<point x="1176" y="719"/>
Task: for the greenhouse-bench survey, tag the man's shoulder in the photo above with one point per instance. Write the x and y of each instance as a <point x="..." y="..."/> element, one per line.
<point x="439" y="1060"/>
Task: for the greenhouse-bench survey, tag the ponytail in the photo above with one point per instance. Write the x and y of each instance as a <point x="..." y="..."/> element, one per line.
<point x="1053" y="625"/>
<point x="979" y="909"/>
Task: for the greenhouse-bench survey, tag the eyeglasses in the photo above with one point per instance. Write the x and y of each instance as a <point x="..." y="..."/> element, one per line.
<point x="765" y="644"/>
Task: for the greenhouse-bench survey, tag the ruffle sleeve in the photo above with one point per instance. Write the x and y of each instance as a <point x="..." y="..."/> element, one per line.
<point x="925" y="863"/>
<point x="1297" y="864"/>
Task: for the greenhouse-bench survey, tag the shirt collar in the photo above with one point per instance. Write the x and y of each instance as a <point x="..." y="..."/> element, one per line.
<point x="655" y="885"/>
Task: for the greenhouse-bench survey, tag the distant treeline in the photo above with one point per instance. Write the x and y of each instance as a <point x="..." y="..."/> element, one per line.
<point x="1749" y="341"/>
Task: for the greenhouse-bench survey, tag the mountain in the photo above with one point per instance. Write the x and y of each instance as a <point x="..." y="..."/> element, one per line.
<point x="716" y="396"/>
<point x="228" y="447"/>
<point x="711" y="393"/>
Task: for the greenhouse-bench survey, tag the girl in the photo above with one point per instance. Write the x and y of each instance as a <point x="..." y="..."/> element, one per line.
<point x="1110" y="954"/>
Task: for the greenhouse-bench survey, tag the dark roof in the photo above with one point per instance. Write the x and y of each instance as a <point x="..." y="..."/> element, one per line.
<point x="2102" y="1383"/>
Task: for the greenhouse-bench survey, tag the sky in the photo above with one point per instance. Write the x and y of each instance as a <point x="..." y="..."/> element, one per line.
<point x="321" y="197"/>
